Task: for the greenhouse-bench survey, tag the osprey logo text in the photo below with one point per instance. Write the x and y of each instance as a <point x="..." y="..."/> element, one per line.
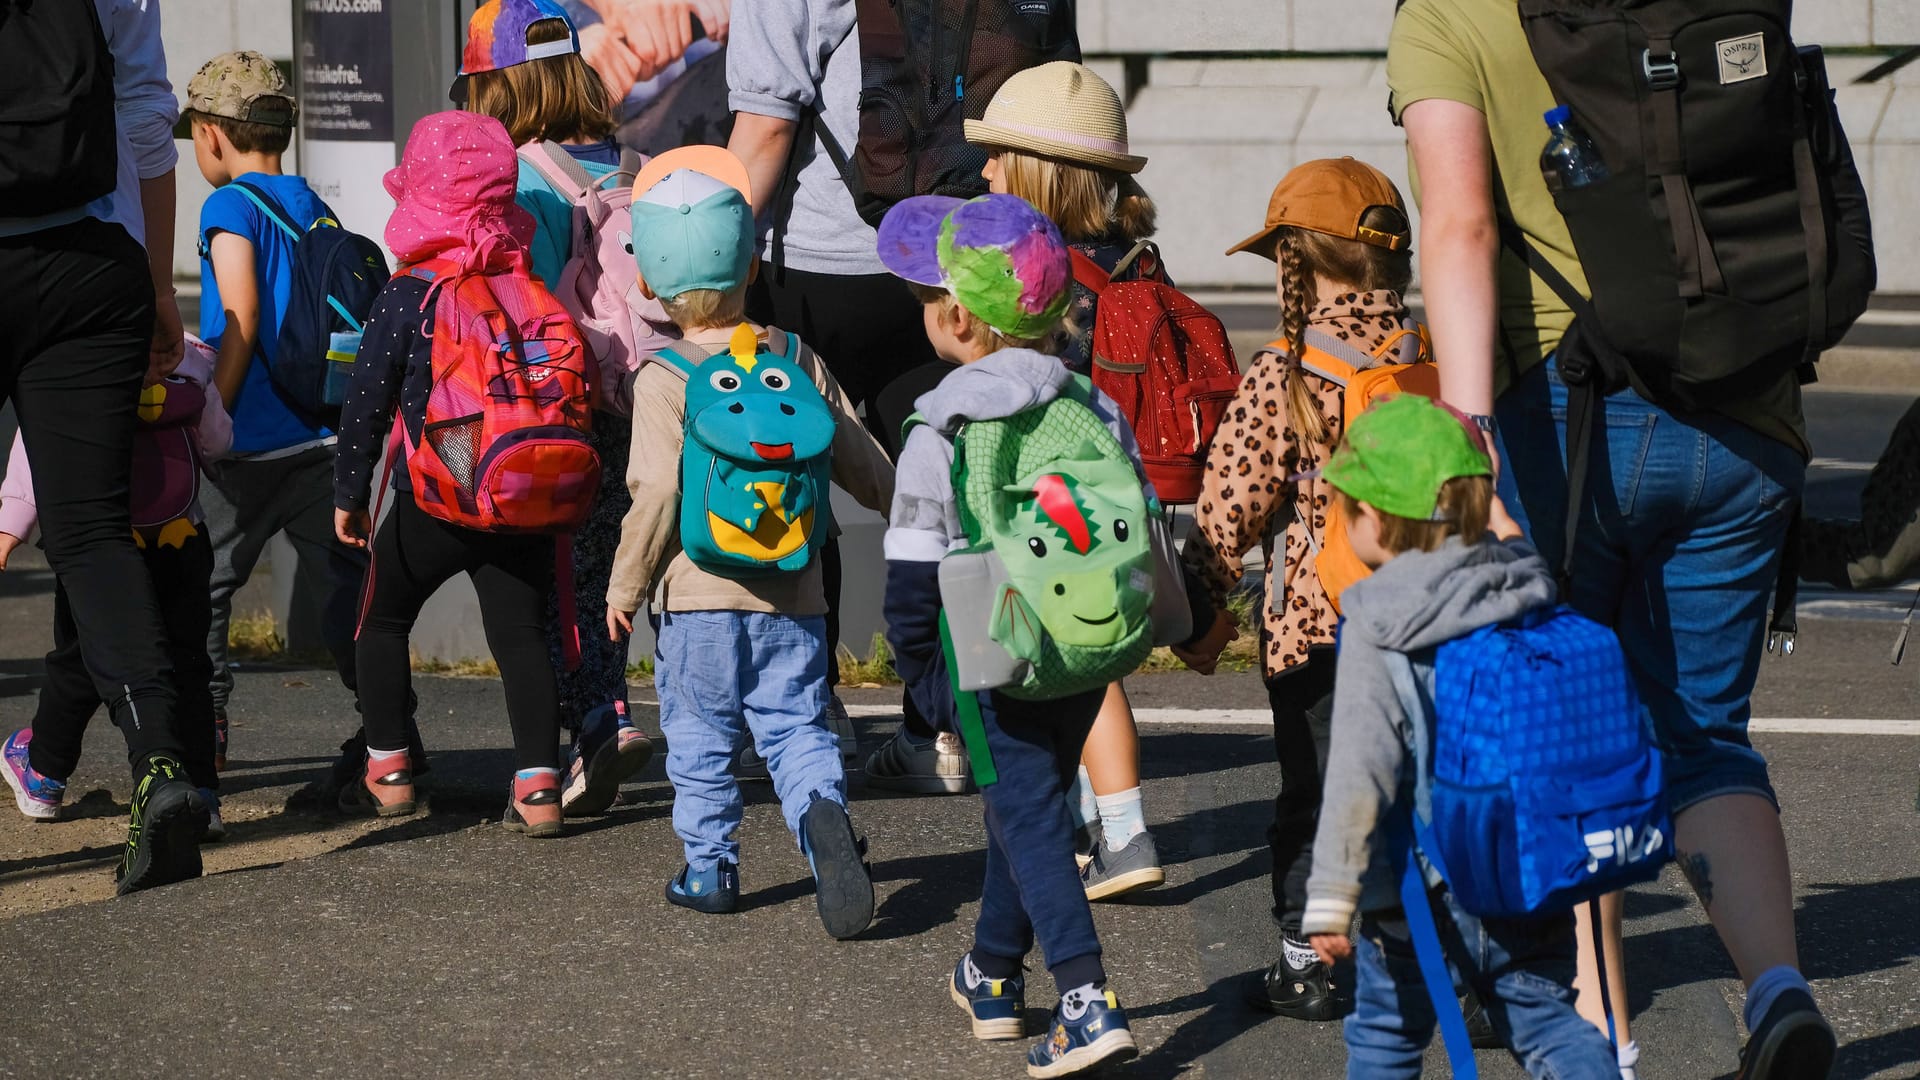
<point x="1617" y="845"/>
<point x="1742" y="58"/>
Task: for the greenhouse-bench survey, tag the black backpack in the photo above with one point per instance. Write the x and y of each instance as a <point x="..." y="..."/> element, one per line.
<point x="59" y="147"/>
<point x="1730" y="244"/>
<point x="336" y="276"/>
<point x="926" y="66"/>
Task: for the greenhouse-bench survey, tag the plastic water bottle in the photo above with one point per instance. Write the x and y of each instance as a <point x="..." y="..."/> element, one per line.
<point x="1570" y="159"/>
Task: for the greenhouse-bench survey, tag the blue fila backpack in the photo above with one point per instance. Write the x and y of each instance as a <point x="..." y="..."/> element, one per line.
<point x="1547" y="790"/>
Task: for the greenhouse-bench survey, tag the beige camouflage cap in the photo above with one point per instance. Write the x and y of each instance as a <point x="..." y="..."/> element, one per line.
<point x="241" y="86"/>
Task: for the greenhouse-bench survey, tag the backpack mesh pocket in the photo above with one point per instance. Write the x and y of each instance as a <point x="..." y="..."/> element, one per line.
<point x="457" y="444"/>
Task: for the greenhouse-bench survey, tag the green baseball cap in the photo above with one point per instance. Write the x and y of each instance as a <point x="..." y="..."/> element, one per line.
<point x="1400" y="452"/>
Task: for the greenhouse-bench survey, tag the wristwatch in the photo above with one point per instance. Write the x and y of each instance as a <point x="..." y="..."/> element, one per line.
<point x="1482" y="421"/>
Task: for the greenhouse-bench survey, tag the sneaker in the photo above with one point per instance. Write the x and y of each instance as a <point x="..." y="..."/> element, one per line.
<point x="1112" y="874"/>
<point x="906" y="764"/>
<point x="1793" y="1042"/>
<point x="608" y="752"/>
<point x="216" y="828"/>
<point x="37" y="796"/>
<point x="164" y="827"/>
<point x="1099" y="1036"/>
<point x="533" y="805"/>
<point x="1085" y="839"/>
<point x="220" y="740"/>
<point x="997" y="1006"/>
<point x="387" y="795"/>
<point x="842" y="884"/>
<point x="842" y="727"/>
<point x="715" y="891"/>
<point x="1298" y="985"/>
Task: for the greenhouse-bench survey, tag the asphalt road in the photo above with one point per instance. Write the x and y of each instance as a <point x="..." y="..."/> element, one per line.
<point x="445" y="946"/>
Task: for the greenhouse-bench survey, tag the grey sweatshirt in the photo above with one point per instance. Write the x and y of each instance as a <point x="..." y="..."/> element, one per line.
<point x="799" y="60"/>
<point x="1382" y="722"/>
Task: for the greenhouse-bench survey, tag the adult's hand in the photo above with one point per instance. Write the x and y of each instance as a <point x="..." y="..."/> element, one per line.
<point x="169" y="339"/>
<point x="656" y="32"/>
<point x="609" y="57"/>
<point x="8" y="542"/>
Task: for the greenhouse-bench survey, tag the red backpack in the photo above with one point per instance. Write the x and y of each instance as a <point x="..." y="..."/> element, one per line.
<point x="1166" y="362"/>
<point x="504" y="447"/>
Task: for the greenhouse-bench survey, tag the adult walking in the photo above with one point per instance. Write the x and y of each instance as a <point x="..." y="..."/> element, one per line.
<point x="1679" y="539"/>
<point x="793" y="73"/>
<point x="90" y="319"/>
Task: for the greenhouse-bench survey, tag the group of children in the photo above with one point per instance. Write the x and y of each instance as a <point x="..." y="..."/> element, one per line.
<point x="738" y="610"/>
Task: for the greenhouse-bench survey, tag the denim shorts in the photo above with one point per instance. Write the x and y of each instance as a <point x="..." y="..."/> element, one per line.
<point x="1678" y="552"/>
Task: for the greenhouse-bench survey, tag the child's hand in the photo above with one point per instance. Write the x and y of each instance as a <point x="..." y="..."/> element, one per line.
<point x="1331" y="948"/>
<point x="352" y="527"/>
<point x="8" y="542"/>
<point x="619" y="624"/>
<point x="1501" y="522"/>
<point x="1204" y="655"/>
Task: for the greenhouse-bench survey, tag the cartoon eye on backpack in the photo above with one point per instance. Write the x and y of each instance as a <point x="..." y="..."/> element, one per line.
<point x="756" y="464"/>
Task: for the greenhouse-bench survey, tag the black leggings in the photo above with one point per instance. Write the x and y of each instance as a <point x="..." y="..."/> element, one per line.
<point x="413" y="555"/>
<point x="77" y="303"/>
<point x="1302" y="701"/>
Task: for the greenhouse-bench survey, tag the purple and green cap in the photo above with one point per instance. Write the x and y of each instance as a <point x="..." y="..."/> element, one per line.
<point x="1001" y="259"/>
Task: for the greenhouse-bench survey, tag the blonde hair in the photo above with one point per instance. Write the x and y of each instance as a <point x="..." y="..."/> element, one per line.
<point x="1087" y="203"/>
<point x="704" y="309"/>
<point x="555" y="97"/>
<point x="1306" y="257"/>
<point x="1464" y="509"/>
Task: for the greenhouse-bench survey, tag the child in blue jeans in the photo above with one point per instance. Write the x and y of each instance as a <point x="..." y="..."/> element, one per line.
<point x="992" y="275"/>
<point x="738" y="657"/>
<point x="1415" y="485"/>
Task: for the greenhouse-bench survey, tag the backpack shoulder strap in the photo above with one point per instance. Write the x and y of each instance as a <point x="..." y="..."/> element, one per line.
<point x="680" y="358"/>
<point x="1088" y="274"/>
<point x="1158" y="265"/>
<point x="1407" y="345"/>
<point x="558" y="167"/>
<point x="270" y="208"/>
<point x="1334" y="365"/>
<point x="1428" y="950"/>
<point x="783" y="343"/>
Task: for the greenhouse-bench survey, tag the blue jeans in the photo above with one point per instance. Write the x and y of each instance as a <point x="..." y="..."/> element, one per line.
<point x="1678" y="553"/>
<point x="725" y="677"/>
<point x="1032" y="887"/>
<point x="1522" y="970"/>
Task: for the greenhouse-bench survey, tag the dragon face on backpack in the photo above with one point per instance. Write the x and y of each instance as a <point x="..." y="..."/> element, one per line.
<point x="1051" y="493"/>
<point x="756" y="465"/>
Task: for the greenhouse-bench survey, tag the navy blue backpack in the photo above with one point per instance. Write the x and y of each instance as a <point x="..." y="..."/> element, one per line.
<point x="336" y="276"/>
<point x="1547" y="790"/>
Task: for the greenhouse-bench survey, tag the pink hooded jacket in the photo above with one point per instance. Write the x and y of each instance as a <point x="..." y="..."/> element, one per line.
<point x="454" y="194"/>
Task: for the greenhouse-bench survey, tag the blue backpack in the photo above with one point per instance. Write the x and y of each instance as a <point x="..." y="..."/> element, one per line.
<point x="336" y="276"/>
<point x="1547" y="790"/>
<point x="756" y="463"/>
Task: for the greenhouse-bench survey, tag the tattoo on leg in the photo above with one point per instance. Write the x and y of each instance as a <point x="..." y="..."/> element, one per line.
<point x="1699" y="875"/>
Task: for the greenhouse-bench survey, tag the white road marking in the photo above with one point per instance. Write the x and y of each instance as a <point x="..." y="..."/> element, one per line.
<point x="1840" y="464"/>
<point x="1261" y="719"/>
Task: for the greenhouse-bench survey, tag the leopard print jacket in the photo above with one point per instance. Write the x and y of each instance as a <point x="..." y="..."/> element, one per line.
<point x="1882" y="548"/>
<point x="1250" y="492"/>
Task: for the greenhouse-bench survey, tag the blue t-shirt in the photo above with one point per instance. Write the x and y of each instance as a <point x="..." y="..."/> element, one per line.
<point x="553" y="212"/>
<point x="262" y="421"/>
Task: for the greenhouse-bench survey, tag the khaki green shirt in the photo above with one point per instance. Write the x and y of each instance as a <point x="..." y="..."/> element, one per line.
<point x="1475" y="52"/>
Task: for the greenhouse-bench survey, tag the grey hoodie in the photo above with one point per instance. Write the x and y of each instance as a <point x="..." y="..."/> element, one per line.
<point x="1379" y="758"/>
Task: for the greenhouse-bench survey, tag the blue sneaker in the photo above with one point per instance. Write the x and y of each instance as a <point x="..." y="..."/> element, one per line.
<point x="715" y="890"/>
<point x="842" y="885"/>
<point x="609" y="751"/>
<point x="997" y="1006"/>
<point x="216" y="828"/>
<point x="37" y="796"/>
<point x="1098" y="1036"/>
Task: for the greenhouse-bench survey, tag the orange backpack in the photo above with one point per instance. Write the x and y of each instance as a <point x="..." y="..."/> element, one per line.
<point x="1403" y="364"/>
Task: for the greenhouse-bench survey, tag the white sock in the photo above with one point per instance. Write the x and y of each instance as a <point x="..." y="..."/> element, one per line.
<point x="382" y="759"/>
<point x="1121" y="817"/>
<point x="1073" y="1003"/>
<point x="1298" y="955"/>
<point x="1080" y="801"/>
<point x="1629" y="1057"/>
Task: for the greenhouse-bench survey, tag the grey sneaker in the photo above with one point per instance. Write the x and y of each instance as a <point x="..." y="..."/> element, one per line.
<point x="1113" y="874"/>
<point x="931" y="768"/>
<point x="750" y="766"/>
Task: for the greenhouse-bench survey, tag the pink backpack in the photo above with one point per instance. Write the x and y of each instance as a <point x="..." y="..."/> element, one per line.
<point x="504" y="447"/>
<point x="597" y="284"/>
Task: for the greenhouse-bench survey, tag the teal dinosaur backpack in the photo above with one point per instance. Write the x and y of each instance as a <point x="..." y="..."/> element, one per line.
<point x="1054" y="593"/>
<point x="756" y="465"/>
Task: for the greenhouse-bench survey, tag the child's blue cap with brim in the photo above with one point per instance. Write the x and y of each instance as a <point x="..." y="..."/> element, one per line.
<point x="692" y="229"/>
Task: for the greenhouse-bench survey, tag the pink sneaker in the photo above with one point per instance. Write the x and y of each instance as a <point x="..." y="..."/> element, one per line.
<point x="37" y="796"/>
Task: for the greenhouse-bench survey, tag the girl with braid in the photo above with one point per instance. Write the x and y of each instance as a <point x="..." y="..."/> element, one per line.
<point x="1338" y="234"/>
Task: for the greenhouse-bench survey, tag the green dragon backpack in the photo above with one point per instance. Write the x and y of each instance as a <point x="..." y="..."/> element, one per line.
<point x="1052" y="503"/>
<point x="757" y="459"/>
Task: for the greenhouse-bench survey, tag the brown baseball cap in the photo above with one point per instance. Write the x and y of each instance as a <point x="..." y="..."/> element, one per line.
<point x="242" y="86"/>
<point x="1332" y="196"/>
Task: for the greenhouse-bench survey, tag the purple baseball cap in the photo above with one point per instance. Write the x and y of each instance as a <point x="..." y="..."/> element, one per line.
<point x="497" y="38"/>
<point x="1003" y="260"/>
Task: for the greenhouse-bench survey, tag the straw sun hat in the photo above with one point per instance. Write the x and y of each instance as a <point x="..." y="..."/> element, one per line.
<point x="1059" y="110"/>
